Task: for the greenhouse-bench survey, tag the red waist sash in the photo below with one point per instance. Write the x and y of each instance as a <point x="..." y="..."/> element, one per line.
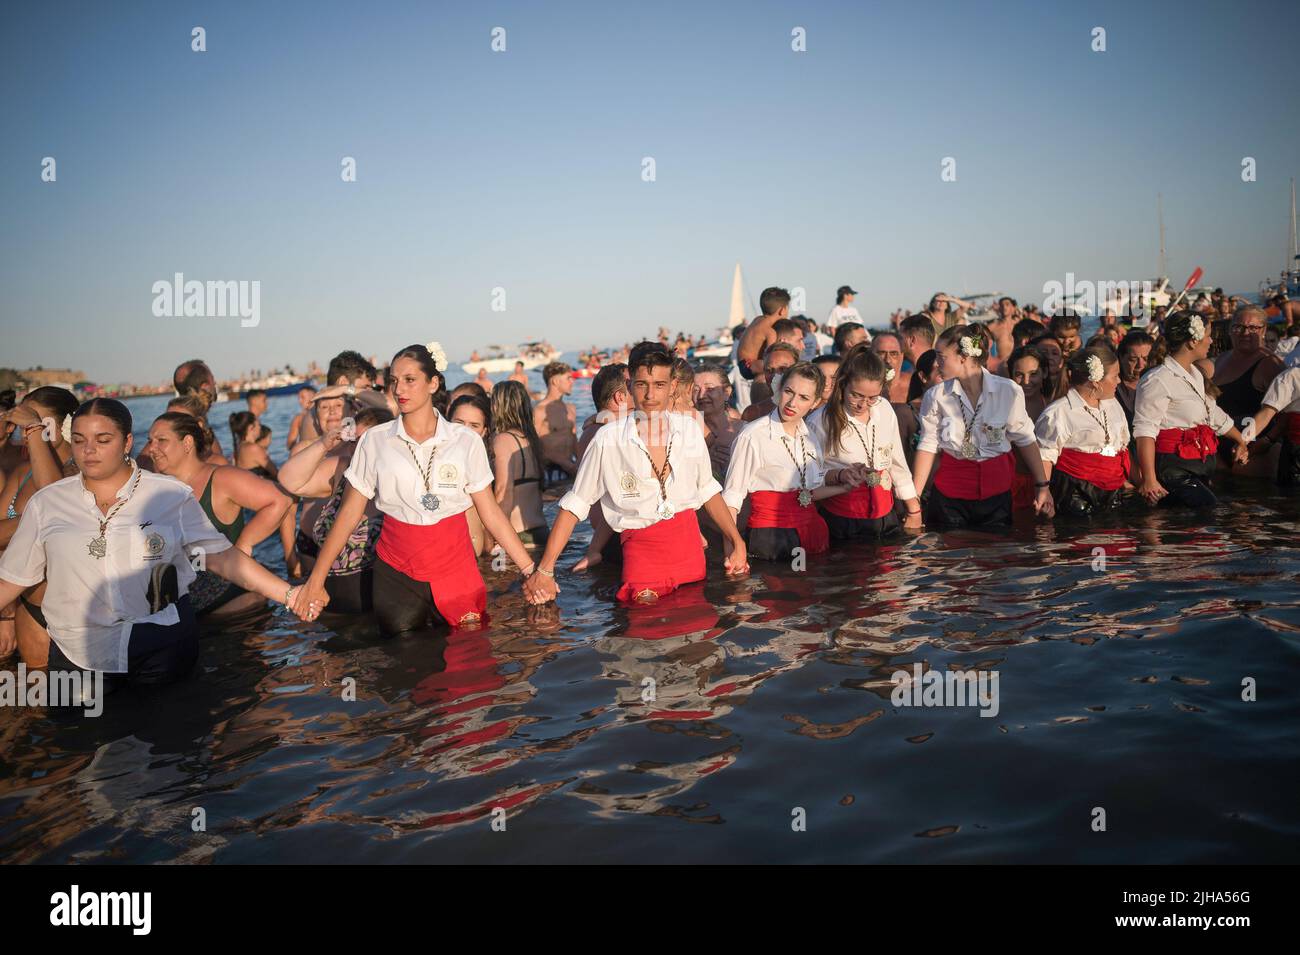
<point x="442" y="555"/>
<point x="1293" y="426"/>
<point x="864" y="503"/>
<point x="1108" y="473"/>
<point x="781" y="509"/>
<point x="662" y="557"/>
<point x="1192" y="443"/>
<point x="967" y="480"/>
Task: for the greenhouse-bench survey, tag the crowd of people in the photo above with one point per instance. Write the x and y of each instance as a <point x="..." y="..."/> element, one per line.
<point x="397" y="486"/>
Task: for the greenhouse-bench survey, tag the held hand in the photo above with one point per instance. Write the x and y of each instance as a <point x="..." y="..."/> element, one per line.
<point x="1043" y="503"/>
<point x="1240" y="455"/>
<point x="736" y="562"/>
<point x="1152" y="490"/>
<point x="309" y="600"/>
<point x="912" y="521"/>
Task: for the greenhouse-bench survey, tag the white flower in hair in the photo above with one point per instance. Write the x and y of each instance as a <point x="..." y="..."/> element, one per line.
<point x="889" y="375"/>
<point x="970" y="346"/>
<point x="439" y="356"/>
<point x="67" y="428"/>
<point x="1196" y="328"/>
<point x="1095" y="370"/>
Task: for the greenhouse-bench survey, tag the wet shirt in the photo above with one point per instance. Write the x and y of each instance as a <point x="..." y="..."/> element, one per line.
<point x="879" y="432"/>
<point x="1171" y="396"/>
<point x="389" y="467"/>
<point x="1070" y="422"/>
<point x="765" y="458"/>
<point x="91" y="602"/>
<point x="999" y="421"/>
<point x="617" y="472"/>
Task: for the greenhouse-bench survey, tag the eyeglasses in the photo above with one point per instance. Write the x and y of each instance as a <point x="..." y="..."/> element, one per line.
<point x="1248" y="328"/>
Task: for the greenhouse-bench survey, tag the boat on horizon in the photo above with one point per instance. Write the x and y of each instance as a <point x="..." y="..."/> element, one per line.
<point x="531" y="354"/>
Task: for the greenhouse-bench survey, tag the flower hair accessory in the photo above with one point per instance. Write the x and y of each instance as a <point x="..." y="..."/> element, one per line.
<point x="889" y="375"/>
<point x="439" y="356"/>
<point x="1196" y="328"/>
<point x="67" y="428"/>
<point x="971" y="346"/>
<point x="1095" y="370"/>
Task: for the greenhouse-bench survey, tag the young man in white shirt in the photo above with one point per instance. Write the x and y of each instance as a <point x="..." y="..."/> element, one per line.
<point x="649" y="473"/>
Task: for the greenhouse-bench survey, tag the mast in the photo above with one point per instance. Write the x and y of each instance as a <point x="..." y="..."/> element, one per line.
<point x="737" y="314"/>
<point x="1291" y="265"/>
<point x="1160" y="217"/>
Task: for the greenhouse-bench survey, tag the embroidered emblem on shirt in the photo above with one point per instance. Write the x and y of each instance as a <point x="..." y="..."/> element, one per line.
<point x="628" y="482"/>
<point x="447" y="473"/>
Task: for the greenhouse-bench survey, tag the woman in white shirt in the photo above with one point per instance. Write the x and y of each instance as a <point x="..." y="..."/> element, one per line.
<point x="117" y="546"/>
<point x="778" y="465"/>
<point x="1083" y="437"/>
<point x="969" y="422"/>
<point x="423" y="472"/>
<point x="858" y="426"/>
<point x="1177" y="427"/>
<point x="1283" y="397"/>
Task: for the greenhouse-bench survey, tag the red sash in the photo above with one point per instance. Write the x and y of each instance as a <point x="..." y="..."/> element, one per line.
<point x="442" y="555"/>
<point x="966" y="480"/>
<point x="781" y="509"/>
<point x="1108" y="473"/>
<point x="662" y="557"/>
<point x="864" y="503"/>
<point x="1023" y="491"/>
<point x="1191" y="443"/>
<point x="1293" y="426"/>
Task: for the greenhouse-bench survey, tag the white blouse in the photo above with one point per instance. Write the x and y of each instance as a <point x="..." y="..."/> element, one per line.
<point x="384" y="468"/>
<point x="1070" y="422"/>
<point x="763" y="458"/>
<point x="91" y="602"/>
<point x="998" y="422"/>
<point x="616" y="471"/>
<point x="1284" y="393"/>
<point x="1173" y="397"/>
<point x="879" y="431"/>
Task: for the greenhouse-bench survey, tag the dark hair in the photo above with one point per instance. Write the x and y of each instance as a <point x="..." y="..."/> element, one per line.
<point x="952" y="337"/>
<point x="479" y="401"/>
<point x="860" y="362"/>
<point x="804" y="369"/>
<point x="351" y="365"/>
<point x="1077" y="364"/>
<point x="784" y="326"/>
<point x="781" y="347"/>
<point x="553" y="369"/>
<point x="196" y="408"/>
<point x="60" y="401"/>
<point x="842" y="332"/>
<point x="918" y="325"/>
<point x="469" y="388"/>
<point x="190" y="377"/>
<point x="7" y="399"/>
<point x="1008" y="298"/>
<point x="264" y="433"/>
<point x="239" y="422"/>
<point x="420" y="355"/>
<point x="1036" y="353"/>
<point x="369" y="417"/>
<point x="1178" y="329"/>
<point x="1026" y="330"/>
<point x="773" y="300"/>
<point x="924" y="368"/>
<point x="835" y="360"/>
<point x="609" y="381"/>
<point x="188" y="426"/>
<point x="648" y="355"/>
<point x="110" y="408"/>
<point x="1062" y="322"/>
<point x="253" y="393"/>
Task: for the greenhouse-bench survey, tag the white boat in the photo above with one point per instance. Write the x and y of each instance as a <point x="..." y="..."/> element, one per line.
<point x="532" y="354"/>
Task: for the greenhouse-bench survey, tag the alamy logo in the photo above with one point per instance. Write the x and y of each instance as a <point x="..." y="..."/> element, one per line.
<point x="193" y="299"/>
<point x="916" y="687"/>
<point x="62" y="688"/>
<point x="103" y="908"/>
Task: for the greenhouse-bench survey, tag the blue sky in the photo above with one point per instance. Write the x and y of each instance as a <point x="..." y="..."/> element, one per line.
<point x="522" y="169"/>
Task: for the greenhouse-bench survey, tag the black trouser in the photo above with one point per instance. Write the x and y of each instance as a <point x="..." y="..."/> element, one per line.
<point x="1288" y="464"/>
<point x="861" y="528"/>
<point x="350" y="593"/>
<point x="1073" y="496"/>
<point x="1187" y="480"/>
<point x="949" y="513"/>
<point x="401" y="603"/>
<point x="771" y="543"/>
<point x="156" y="654"/>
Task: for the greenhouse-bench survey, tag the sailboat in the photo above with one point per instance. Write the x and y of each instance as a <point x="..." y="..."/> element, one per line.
<point x="721" y="347"/>
<point x="1288" y="282"/>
